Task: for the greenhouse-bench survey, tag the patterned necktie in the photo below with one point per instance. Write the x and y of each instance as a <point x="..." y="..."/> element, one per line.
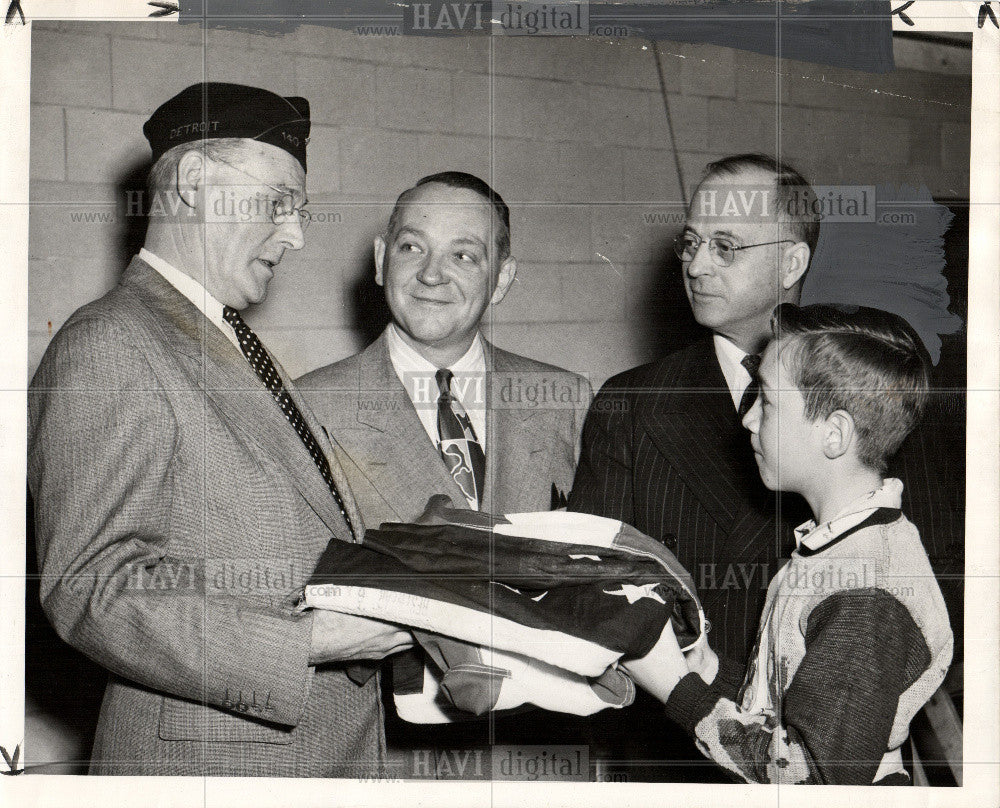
<point x="752" y="363"/>
<point x="460" y="449"/>
<point x="262" y="365"/>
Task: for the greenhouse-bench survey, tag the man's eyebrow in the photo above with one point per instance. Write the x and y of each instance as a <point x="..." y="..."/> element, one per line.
<point x="478" y="242"/>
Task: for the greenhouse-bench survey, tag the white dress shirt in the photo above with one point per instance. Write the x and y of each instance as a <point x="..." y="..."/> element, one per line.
<point x="417" y="376"/>
<point x="730" y="360"/>
<point x="192" y="290"/>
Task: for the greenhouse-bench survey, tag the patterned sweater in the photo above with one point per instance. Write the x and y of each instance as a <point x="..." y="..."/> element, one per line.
<point x="854" y="639"/>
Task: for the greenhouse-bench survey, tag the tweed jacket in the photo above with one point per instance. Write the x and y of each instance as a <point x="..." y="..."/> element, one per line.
<point x="176" y="509"/>
<point x="394" y="467"/>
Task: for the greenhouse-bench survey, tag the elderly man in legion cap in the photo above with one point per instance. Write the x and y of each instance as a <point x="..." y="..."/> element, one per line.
<point x="183" y="490"/>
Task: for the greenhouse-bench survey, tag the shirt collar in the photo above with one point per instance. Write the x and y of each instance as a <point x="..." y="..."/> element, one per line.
<point x="730" y="358"/>
<point x="187" y="286"/>
<point x="406" y="359"/>
<point x="814" y="536"/>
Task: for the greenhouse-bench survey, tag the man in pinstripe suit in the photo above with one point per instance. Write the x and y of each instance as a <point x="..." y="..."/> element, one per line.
<point x="663" y="448"/>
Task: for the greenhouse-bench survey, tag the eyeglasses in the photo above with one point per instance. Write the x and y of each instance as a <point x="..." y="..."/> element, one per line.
<point x="283" y="208"/>
<point x="722" y="250"/>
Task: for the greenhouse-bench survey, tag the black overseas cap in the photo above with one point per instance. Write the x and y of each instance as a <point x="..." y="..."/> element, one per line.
<point x="215" y="110"/>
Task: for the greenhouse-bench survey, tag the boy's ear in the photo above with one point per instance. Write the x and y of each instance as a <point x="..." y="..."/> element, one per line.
<point x="838" y="434"/>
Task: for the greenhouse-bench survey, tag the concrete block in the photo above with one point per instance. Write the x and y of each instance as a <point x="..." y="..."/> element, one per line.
<point x="589" y="173"/>
<point x="48" y="143"/>
<point x="756" y="76"/>
<point x="305" y="293"/>
<point x="377" y="165"/>
<point x="650" y="176"/>
<point x="618" y="116"/>
<point x="70" y="69"/>
<point x="595" y="353"/>
<point x="138" y="87"/>
<point x="693" y="167"/>
<point x="413" y="98"/>
<point x="741" y="127"/>
<point x="58" y="225"/>
<point x="552" y="232"/>
<point x="592" y="292"/>
<point x="707" y="70"/>
<point x="471" y="103"/>
<point x="50" y="301"/>
<point x="689" y="122"/>
<point x="526" y="170"/>
<point x="631" y="234"/>
<point x="543" y="110"/>
<point x="271" y="69"/>
<point x="132" y="29"/>
<point x="103" y="147"/>
<point x="534" y="297"/>
<point x="323" y="158"/>
<point x="620" y="62"/>
<point x="340" y="92"/>
<point x="474" y="155"/>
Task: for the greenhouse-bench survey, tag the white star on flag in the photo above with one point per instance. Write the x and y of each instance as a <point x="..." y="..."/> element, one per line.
<point x="634" y="593"/>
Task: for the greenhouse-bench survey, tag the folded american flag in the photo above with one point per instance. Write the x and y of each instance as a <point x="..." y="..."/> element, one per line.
<point x="528" y="608"/>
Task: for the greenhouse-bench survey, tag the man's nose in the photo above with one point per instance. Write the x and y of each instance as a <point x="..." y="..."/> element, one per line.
<point x="701" y="262"/>
<point x="751" y="420"/>
<point x="292" y="235"/>
<point x="431" y="271"/>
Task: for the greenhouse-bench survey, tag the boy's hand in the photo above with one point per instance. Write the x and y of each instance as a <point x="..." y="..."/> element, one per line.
<point x="703" y="660"/>
<point x="662" y="668"/>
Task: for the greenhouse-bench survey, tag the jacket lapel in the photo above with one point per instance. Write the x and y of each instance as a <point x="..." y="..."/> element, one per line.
<point x="227" y="379"/>
<point x="694" y="425"/>
<point x="517" y="436"/>
<point x="392" y="446"/>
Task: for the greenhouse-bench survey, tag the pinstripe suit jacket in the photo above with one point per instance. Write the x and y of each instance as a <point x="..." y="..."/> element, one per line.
<point x="394" y="467"/>
<point x="176" y="509"/>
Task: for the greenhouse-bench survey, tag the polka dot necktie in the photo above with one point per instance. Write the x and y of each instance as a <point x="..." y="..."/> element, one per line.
<point x="752" y="363"/>
<point x="460" y="449"/>
<point x="262" y="365"/>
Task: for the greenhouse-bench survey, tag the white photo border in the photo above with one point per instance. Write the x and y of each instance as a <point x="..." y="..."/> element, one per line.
<point x="982" y="614"/>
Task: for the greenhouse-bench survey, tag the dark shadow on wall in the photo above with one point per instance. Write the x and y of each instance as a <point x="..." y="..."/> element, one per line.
<point x="133" y="211"/>
<point x="369" y="311"/>
<point x="663" y="320"/>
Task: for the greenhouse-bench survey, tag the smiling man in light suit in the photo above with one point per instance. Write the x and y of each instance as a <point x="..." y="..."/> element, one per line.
<point x="431" y="407"/>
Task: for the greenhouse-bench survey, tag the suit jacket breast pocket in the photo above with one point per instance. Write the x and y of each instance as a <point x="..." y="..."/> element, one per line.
<point x="187" y="721"/>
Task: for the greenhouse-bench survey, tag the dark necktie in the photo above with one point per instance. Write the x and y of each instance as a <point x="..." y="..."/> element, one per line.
<point x="262" y="365"/>
<point x="460" y="449"/>
<point x="752" y="363"/>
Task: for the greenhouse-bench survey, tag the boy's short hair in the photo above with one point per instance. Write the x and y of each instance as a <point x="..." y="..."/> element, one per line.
<point x="867" y="362"/>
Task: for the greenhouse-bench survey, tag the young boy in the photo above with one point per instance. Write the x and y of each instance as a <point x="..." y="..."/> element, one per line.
<point x="854" y="637"/>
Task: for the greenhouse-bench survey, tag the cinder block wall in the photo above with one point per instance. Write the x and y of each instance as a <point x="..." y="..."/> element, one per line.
<point x="572" y="132"/>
